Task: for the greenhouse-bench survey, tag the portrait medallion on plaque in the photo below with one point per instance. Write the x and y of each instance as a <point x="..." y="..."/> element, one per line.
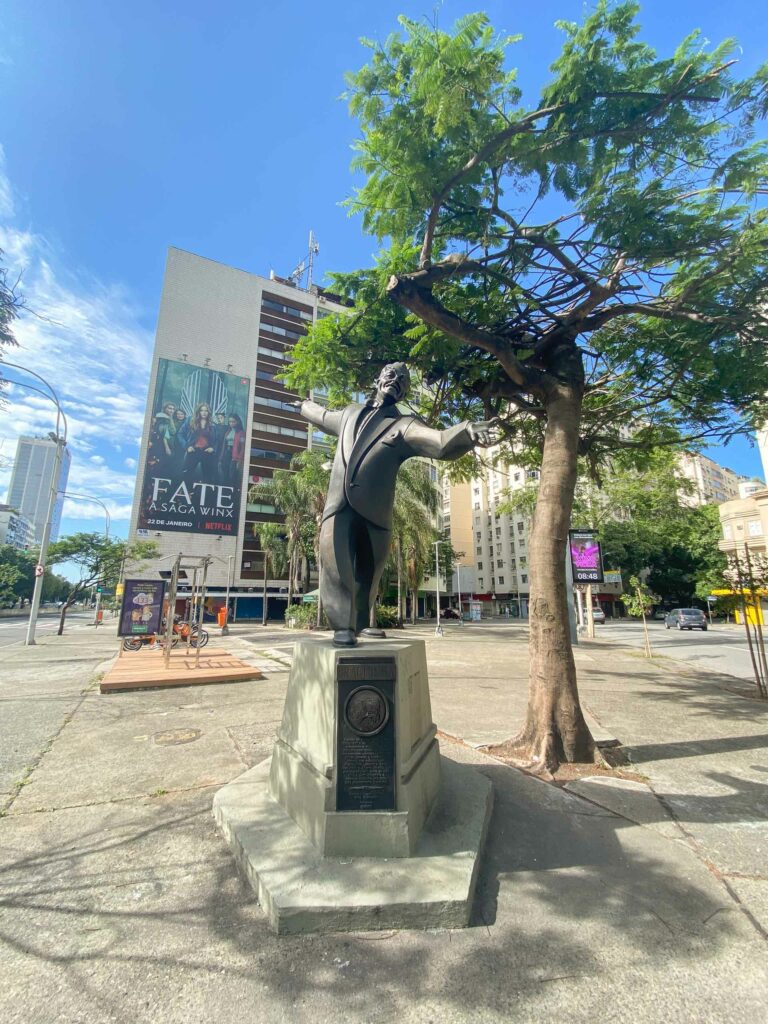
<point x="365" y="776"/>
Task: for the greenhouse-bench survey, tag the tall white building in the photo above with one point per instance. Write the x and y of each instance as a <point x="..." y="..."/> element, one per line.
<point x="31" y="478"/>
<point x="217" y="419"/>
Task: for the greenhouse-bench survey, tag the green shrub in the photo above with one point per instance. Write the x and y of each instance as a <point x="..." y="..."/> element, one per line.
<point x="386" y="616"/>
<point x="303" y="616"/>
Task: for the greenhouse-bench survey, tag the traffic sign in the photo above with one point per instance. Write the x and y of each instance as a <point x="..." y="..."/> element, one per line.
<point x="39" y="570"/>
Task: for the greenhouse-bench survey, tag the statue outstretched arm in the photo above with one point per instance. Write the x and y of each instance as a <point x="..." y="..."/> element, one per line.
<point x="452" y="443"/>
<point x="325" y="419"/>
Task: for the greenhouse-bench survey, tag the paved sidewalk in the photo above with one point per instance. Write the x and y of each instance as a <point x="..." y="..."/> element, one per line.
<point x="120" y="902"/>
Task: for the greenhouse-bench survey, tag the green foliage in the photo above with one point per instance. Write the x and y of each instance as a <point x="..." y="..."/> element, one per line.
<point x="17" y="578"/>
<point x="387" y="616"/>
<point x="303" y="616"/>
<point x="639" y="599"/>
<point x="98" y="559"/>
<point x="623" y="206"/>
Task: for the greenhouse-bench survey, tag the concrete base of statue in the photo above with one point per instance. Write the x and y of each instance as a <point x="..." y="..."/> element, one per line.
<point x="356" y="822"/>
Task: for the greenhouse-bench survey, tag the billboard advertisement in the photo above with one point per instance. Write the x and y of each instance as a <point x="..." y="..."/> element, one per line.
<point x="195" y="450"/>
<point x="586" y="557"/>
<point x="142" y="608"/>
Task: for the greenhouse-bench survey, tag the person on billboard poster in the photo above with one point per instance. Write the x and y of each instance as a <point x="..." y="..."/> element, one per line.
<point x="232" y="452"/>
<point x="202" y="437"/>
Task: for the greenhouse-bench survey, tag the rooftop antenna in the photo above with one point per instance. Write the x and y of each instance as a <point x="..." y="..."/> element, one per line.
<point x="306" y="266"/>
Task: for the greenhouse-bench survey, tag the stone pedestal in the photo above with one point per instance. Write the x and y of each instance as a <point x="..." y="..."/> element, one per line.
<point x="356" y="821"/>
<point x="319" y="759"/>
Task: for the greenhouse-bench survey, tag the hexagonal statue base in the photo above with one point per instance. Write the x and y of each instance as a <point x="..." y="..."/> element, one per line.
<point x="302" y="891"/>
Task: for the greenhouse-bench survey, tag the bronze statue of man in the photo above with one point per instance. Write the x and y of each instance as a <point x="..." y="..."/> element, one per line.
<point x="374" y="440"/>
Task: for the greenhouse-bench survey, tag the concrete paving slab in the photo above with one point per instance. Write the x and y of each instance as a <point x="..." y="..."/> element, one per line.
<point x="632" y="800"/>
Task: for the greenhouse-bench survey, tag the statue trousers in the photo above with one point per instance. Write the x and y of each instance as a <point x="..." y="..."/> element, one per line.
<point x="353" y="553"/>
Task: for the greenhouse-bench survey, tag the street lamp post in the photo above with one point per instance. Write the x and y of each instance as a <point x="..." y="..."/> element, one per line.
<point x="61" y="443"/>
<point x="438" y="627"/>
<point x="458" y="586"/>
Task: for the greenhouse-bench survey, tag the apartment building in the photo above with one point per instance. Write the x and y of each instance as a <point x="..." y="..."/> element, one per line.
<point x="15" y="529"/>
<point x="712" y="483"/>
<point x="217" y="419"/>
<point x="31" y="478"/>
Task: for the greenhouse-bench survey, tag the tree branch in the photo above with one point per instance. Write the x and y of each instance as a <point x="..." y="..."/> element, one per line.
<point x="420" y="301"/>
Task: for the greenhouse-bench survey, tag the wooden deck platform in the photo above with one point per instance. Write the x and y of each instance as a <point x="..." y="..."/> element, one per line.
<point x="145" y="670"/>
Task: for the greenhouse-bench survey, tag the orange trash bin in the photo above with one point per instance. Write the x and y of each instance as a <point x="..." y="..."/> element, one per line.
<point x="222" y="617"/>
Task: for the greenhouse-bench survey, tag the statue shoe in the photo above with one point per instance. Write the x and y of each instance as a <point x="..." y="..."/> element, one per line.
<point x="344" y="638"/>
<point x="371" y="631"/>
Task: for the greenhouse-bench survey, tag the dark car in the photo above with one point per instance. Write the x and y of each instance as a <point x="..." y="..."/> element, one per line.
<point x="686" y="618"/>
<point x="449" y="613"/>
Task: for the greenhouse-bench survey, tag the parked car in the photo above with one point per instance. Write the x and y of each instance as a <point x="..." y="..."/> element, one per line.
<point x="449" y="613"/>
<point x="660" y="614"/>
<point x="686" y="618"/>
<point x="598" y="615"/>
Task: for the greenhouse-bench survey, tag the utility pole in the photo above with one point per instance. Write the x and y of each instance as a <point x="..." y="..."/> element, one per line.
<point x="61" y="443"/>
<point x="438" y="627"/>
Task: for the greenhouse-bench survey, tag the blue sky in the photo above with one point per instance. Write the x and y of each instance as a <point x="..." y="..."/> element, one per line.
<point x="218" y="128"/>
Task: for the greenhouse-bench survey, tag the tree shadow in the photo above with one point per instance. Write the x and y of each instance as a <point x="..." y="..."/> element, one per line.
<point x="134" y="904"/>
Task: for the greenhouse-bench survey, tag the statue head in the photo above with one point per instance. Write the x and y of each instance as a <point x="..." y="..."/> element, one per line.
<point x="393" y="382"/>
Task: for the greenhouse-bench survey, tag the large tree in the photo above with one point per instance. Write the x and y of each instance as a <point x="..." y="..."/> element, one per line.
<point x="98" y="561"/>
<point x="590" y="267"/>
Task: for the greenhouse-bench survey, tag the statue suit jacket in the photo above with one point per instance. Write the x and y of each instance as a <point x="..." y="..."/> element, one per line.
<point x="369" y="456"/>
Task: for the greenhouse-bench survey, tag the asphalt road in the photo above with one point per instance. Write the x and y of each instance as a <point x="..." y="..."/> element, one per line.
<point x="13" y="631"/>
<point x="723" y="648"/>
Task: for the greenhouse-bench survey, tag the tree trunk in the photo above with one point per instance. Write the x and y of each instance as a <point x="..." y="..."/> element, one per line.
<point x="64" y="609"/>
<point x="291" y="573"/>
<point x="414" y="606"/>
<point x="555" y="729"/>
<point x="399" y="556"/>
<point x="264" y="598"/>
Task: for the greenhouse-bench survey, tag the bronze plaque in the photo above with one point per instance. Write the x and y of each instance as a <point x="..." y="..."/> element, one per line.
<point x="365" y="774"/>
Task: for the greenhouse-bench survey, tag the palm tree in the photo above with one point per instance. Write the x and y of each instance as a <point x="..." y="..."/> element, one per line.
<point x="273" y="546"/>
<point x="413" y="530"/>
<point x="284" y="492"/>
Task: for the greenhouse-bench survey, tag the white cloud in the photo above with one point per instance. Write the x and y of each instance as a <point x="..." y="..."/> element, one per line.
<point x="86" y="338"/>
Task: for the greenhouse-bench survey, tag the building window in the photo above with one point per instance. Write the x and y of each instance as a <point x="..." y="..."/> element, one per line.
<point x="520" y="527"/>
<point x="523" y="561"/>
<point x="480" y="584"/>
<point x="479" y="535"/>
<point x="273" y="353"/>
<point x="265" y="453"/>
<point x="279" y="307"/>
<point x="498" y="531"/>
<point x="500" y="563"/>
<point x="755" y="528"/>
<point x="271" y="428"/>
<point x="501" y="581"/>
<point x="273" y="329"/>
<point x="478" y="550"/>
<point x="265" y="375"/>
<point x="479" y="565"/>
<point x="523" y="578"/>
<point x="274" y="403"/>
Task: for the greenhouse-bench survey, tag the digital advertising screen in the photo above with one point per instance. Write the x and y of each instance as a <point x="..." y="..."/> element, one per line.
<point x="586" y="556"/>
<point x="196" y="450"/>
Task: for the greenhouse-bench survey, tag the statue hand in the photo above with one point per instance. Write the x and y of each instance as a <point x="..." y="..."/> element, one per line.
<point x="486" y="432"/>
